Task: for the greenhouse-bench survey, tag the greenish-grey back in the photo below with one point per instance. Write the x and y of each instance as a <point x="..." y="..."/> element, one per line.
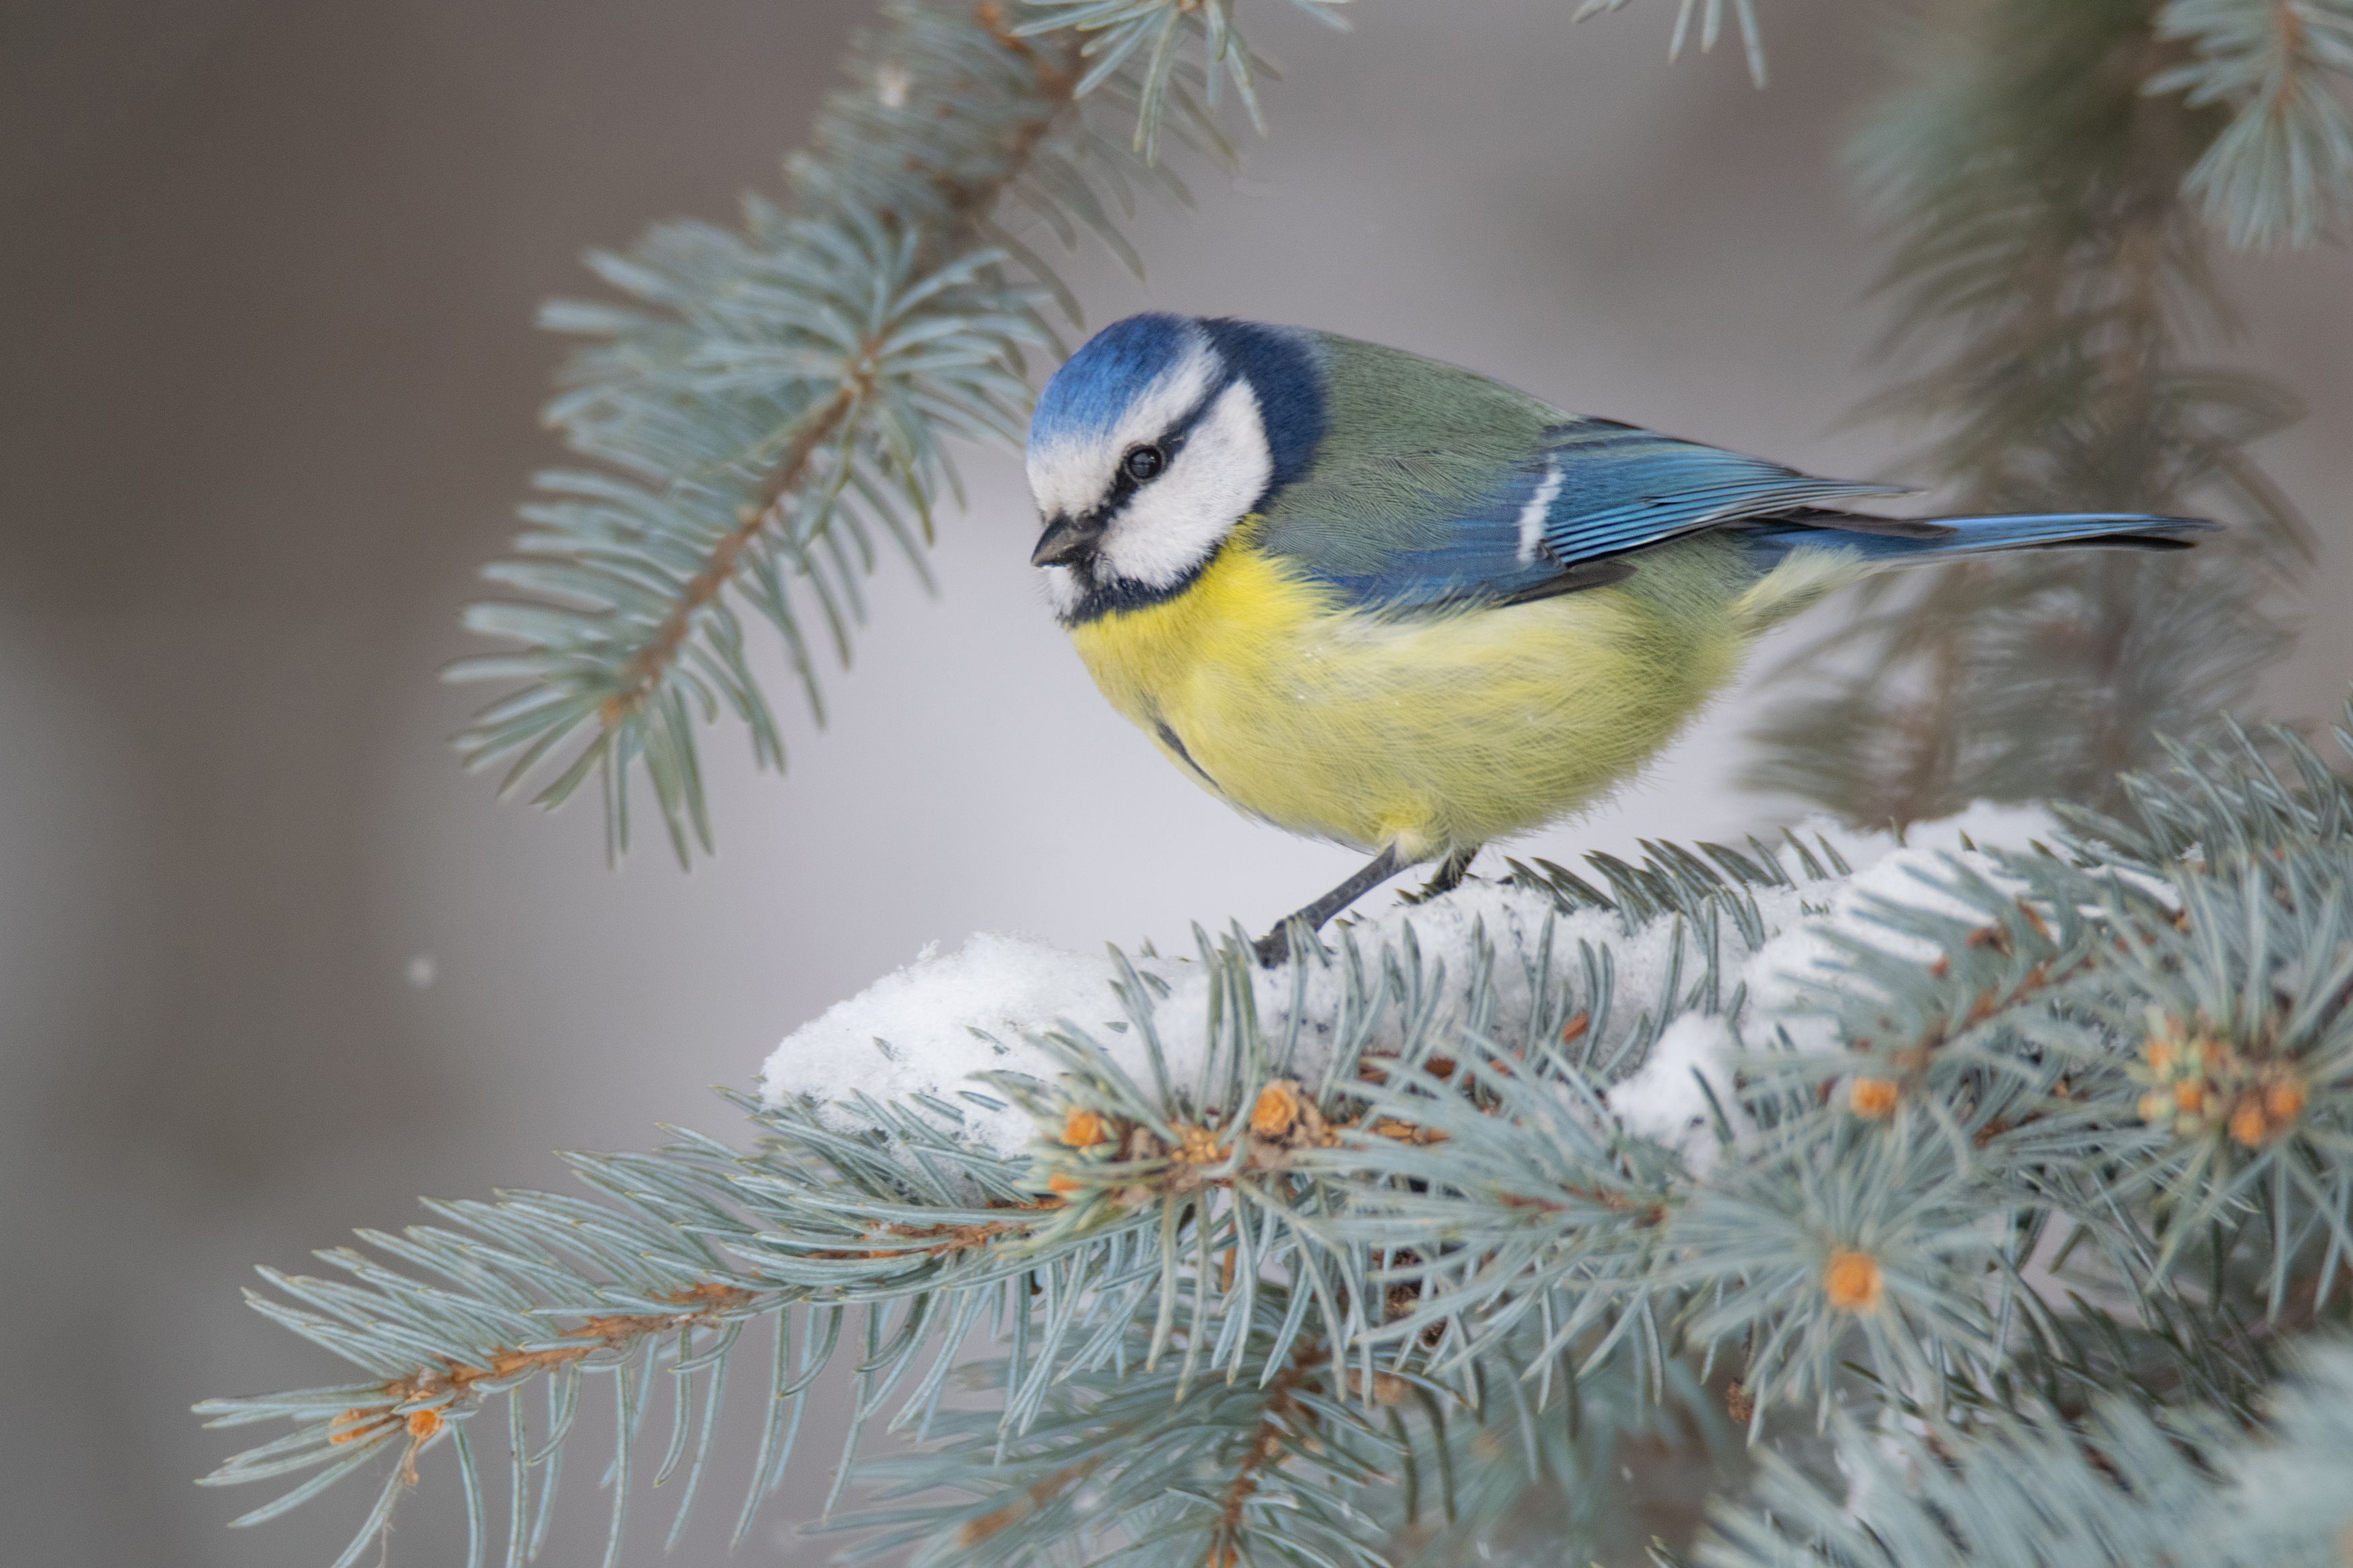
<point x="1411" y="447"/>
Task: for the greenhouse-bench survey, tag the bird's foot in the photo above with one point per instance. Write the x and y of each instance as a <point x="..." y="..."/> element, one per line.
<point x="1449" y="875"/>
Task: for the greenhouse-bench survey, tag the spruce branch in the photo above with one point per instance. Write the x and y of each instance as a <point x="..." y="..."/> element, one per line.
<point x="772" y="401"/>
<point x="1275" y="1471"/>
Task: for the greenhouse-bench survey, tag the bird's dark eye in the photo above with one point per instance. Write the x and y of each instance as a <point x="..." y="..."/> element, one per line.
<point x="1142" y="462"/>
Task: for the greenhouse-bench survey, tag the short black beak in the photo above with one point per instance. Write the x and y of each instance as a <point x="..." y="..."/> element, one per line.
<point x="1064" y="540"/>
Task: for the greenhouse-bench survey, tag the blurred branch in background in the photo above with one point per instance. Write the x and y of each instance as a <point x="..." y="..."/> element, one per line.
<point x="2281" y="173"/>
<point x="2054" y="176"/>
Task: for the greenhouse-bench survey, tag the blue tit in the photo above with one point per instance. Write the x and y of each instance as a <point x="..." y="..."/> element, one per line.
<point x="1374" y="598"/>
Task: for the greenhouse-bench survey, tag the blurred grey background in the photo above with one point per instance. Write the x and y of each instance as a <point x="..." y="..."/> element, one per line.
<point x="269" y="965"/>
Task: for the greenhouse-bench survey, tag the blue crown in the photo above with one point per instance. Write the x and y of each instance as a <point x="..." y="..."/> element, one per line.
<point x="1094" y="387"/>
<point x="1085" y="398"/>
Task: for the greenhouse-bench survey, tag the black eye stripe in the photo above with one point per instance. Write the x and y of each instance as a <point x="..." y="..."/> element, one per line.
<point x="1124" y="484"/>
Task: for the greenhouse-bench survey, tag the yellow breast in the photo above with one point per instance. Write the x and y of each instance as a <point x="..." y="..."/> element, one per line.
<point x="1432" y="732"/>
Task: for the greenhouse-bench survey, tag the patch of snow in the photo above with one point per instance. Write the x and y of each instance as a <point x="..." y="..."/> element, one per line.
<point x="1663" y="1099"/>
<point x="920" y="1029"/>
<point x="1783" y="976"/>
<point x="928" y="1027"/>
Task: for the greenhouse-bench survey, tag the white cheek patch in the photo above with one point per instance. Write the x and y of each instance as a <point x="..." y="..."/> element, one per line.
<point x="1175" y="523"/>
<point x="1070" y="477"/>
<point x="1064" y="591"/>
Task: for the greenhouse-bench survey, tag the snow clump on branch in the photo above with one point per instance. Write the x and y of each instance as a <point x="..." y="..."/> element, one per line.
<point x="927" y="1028"/>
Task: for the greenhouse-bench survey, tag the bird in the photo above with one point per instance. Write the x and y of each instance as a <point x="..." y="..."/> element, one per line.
<point x="1382" y="600"/>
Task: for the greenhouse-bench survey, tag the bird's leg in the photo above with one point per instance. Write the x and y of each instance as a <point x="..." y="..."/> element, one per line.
<point x="1275" y="945"/>
<point x="1450" y="874"/>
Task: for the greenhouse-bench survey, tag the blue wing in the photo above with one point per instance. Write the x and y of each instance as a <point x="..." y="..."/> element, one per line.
<point x="1621" y="489"/>
<point x="1419" y="530"/>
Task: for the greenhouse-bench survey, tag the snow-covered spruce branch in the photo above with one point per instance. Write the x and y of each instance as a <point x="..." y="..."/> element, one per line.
<point x="772" y="401"/>
<point x="1349" y="1261"/>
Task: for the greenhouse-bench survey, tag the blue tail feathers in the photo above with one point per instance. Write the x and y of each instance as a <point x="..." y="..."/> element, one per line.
<point x="1931" y="540"/>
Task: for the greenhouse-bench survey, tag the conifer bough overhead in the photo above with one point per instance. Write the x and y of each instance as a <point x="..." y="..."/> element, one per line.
<point x="1994" y="1180"/>
<point x="773" y="403"/>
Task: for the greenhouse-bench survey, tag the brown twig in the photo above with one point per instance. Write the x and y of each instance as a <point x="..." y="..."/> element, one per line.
<point x="939" y="1240"/>
<point x="1030" y="1498"/>
<point x="702" y="1307"/>
<point x="644" y="673"/>
<point x="1283" y="1417"/>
